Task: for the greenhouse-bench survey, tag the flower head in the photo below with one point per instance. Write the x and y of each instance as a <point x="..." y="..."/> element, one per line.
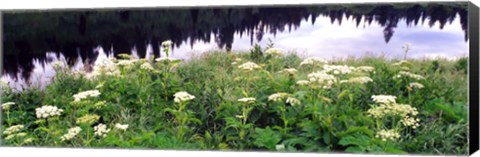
<point x="248" y="100"/>
<point x="323" y="79"/>
<point x="147" y="67"/>
<point x="121" y="126"/>
<point x="48" y="111"/>
<point x="88" y="119"/>
<point x="167" y="43"/>
<point x="313" y="61"/>
<point x="7" y="105"/>
<point x="183" y="96"/>
<point x="85" y="94"/>
<point x="384" y="99"/>
<point x="101" y="130"/>
<point x="338" y="69"/>
<point x="293" y="101"/>
<point x="415" y="85"/>
<point x="388" y="135"/>
<point x="290" y="71"/>
<point x="303" y="82"/>
<point x="277" y="96"/>
<point x="249" y="66"/>
<point x="274" y="52"/>
<point x="13" y="129"/>
<point x="72" y="132"/>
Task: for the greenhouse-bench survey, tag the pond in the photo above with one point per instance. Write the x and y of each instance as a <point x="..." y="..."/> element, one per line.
<point x="33" y="40"/>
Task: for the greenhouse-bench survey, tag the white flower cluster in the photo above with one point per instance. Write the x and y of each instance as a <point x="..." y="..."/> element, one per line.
<point x="72" y="132"/>
<point x="106" y="66"/>
<point x="247" y="100"/>
<point x="13" y="129"/>
<point x="303" y="82"/>
<point x="408" y="74"/>
<point x="293" y="101"/>
<point x="121" y="126"/>
<point x="7" y="105"/>
<point x="88" y="119"/>
<point x="277" y="96"/>
<point x="360" y="80"/>
<point x="21" y="134"/>
<point x="364" y="69"/>
<point x="384" y="99"/>
<point x="164" y="59"/>
<point x="274" y="52"/>
<point x="237" y="60"/>
<point x="101" y="130"/>
<point x="249" y="66"/>
<point x="313" y="61"/>
<point x="85" y="94"/>
<point x="410" y="121"/>
<point x="183" y="96"/>
<point x="147" y="67"/>
<point x="48" y="111"/>
<point x="323" y="79"/>
<point x="167" y="43"/>
<point x="415" y="85"/>
<point x="388" y="135"/>
<point x="290" y="71"/>
<point x="127" y="63"/>
<point x="57" y="64"/>
<point x="338" y="69"/>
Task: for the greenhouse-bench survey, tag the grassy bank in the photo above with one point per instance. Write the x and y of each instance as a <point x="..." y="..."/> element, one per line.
<point x="251" y="101"/>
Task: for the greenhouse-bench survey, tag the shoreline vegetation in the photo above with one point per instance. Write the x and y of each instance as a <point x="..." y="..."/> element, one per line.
<point x="262" y="100"/>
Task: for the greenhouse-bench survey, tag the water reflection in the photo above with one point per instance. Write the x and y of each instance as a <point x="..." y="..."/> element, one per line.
<point x="79" y="38"/>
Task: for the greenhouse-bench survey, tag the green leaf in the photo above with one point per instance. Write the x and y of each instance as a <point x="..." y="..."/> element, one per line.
<point x="355" y="149"/>
<point x="266" y="138"/>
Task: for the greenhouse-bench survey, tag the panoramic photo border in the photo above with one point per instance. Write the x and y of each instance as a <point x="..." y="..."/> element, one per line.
<point x="78" y="5"/>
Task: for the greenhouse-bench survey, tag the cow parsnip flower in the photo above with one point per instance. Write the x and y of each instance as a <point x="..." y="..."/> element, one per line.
<point x="249" y="66"/>
<point x="72" y="132"/>
<point x="293" y="101"/>
<point x="384" y="99"/>
<point x="278" y="96"/>
<point x="303" y="82"/>
<point x="410" y="122"/>
<point x="313" y="61"/>
<point x="337" y="69"/>
<point x="13" y="129"/>
<point x="360" y="80"/>
<point x="7" y="105"/>
<point x="388" y="135"/>
<point x="290" y="71"/>
<point x="147" y="67"/>
<point x="321" y="78"/>
<point x="88" y="119"/>
<point x="85" y="94"/>
<point x="248" y="100"/>
<point x="364" y="69"/>
<point x="48" y="111"/>
<point x="101" y="130"/>
<point x="416" y="85"/>
<point x="276" y="52"/>
<point x="121" y="126"/>
<point x="408" y="74"/>
<point x="182" y="97"/>
<point x="167" y="43"/>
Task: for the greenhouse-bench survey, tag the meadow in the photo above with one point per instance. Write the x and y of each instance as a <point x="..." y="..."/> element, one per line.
<point x="264" y="99"/>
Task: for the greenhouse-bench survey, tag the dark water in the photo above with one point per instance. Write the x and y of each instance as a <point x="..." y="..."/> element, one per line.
<point x="32" y="40"/>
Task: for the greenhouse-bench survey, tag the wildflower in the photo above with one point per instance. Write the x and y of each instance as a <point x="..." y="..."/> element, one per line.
<point x="303" y="82"/>
<point x="277" y="96"/>
<point x="72" y="132"/>
<point x="274" y="52"/>
<point x="9" y="137"/>
<point x="249" y="66"/>
<point x="402" y="110"/>
<point x="106" y="66"/>
<point x="100" y="85"/>
<point x="127" y="63"/>
<point x="85" y="94"/>
<point x="293" y="101"/>
<point x="322" y="78"/>
<point x="248" y="100"/>
<point x="234" y="63"/>
<point x="238" y="59"/>
<point x="22" y="134"/>
<point x="410" y="121"/>
<point x="361" y="80"/>
<point x="88" y="119"/>
<point x="408" y="74"/>
<point x="164" y="59"/>
<point x="290" y="71"/>
<point x="57" y="64"/>
<point x="48" y="111"/>
<point x="388" y="135"/>
<point x="101" y="130"/>
<point x="13" y="129"/>
<point x="384" y="99"/>
<point x="364" y="69"/>
<point x="401" y="63"/>
<point x="183" y="96"/>
<point x="313" y="61"/>
<point x="7" y="105"/>
<point x="146" y="66"/>
<point x="338" y="69"/>
<point x="28" y="140"/>
<point x="415" y="85"/>
<point x="121" y="126"/>
<point x="280" y="147"/>
<point x="167" y="43"/>
<point x="100" y="104"/>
